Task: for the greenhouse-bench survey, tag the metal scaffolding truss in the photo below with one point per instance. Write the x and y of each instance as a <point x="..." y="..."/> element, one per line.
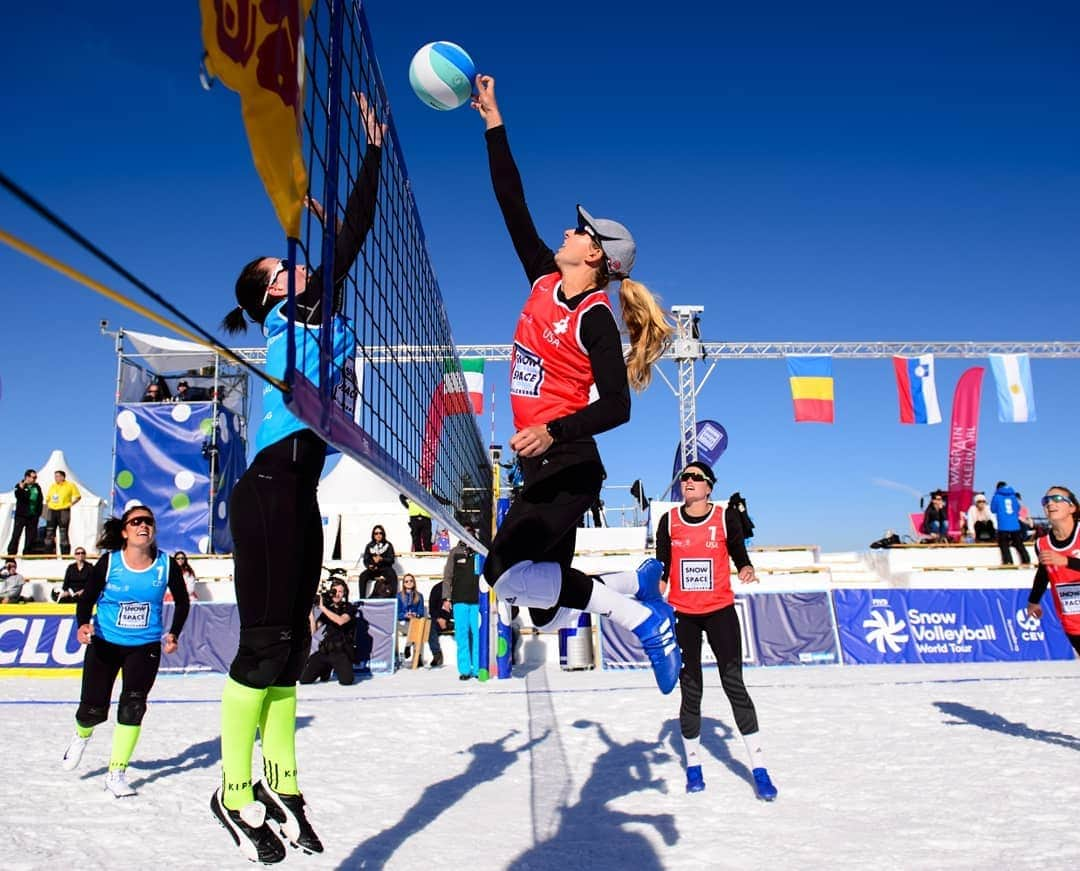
<point x="743" y="350"/>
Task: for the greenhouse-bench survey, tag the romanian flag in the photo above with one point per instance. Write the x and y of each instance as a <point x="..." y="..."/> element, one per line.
<point x="256" y="49"/>
<point x="811" y="388"/>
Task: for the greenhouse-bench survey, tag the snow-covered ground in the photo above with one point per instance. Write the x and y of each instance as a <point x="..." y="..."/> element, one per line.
<point x="893" y="766"/>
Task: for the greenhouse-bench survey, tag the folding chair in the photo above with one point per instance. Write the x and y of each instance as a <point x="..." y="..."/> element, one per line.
<point x="419" y="629"/>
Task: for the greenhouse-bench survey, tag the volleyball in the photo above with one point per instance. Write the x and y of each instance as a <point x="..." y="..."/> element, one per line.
<point x="441" y="74"/>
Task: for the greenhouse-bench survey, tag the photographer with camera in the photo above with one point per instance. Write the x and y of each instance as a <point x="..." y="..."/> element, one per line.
<point x="335" y="650"/>
<point x="11" y="584"/>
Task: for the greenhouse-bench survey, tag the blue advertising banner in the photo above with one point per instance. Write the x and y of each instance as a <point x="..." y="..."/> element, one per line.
<point x="376" y="635"/>
<point x="712" y="441"/>
<point x="777" y="629"/>
<point x="37" y="639"/>
<point x="883" y="626"/>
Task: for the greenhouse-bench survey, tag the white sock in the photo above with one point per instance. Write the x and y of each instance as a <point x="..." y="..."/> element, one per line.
<point x="753" y="748"/>
<point x="621" y="582"/>
<point x="692" y="749"/>
<point x="625" y="611"/>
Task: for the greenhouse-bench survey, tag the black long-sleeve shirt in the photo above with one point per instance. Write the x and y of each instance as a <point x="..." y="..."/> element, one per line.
<point x="599" y="332"/>
<point x="96" y="585"/>
<point x="1042" y="578"/>
<point x="736" y="546"/>
<point x="348" y="240"/>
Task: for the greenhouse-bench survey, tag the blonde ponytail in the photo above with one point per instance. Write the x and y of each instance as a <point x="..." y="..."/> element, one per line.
<point x="648" y="328"/>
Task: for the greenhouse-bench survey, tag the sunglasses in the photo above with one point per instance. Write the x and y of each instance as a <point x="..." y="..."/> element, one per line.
<point x="282" y="266"/>
<point x="692" y="476"/>
<point x="141" y="520"/>
<point x="1055" y="497"/>
<point x="80" y="553"/>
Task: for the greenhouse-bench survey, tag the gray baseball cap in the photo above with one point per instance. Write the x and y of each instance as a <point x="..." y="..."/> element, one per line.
<point x="615" y="240"/>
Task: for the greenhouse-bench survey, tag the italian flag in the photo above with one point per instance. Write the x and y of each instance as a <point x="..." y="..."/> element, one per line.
<point x="469" y="380"/>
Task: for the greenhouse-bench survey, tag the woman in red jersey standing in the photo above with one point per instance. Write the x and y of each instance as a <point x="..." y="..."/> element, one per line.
<point x="567" y="350"/>
<point x="1059" y="562"/>
<point x="693" y="544"/>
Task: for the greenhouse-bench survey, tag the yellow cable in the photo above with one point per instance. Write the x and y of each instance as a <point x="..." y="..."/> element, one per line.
<point x="46" y="260"/>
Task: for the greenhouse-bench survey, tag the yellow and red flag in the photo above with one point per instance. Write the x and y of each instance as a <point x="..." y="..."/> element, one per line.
<point x="256" y="48"/>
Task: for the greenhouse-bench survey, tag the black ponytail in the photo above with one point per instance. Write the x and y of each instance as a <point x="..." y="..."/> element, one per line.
<point x="251" y="296"/>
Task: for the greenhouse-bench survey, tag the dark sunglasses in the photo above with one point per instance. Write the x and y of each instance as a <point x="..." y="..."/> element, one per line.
<point x="80" y="553"/>
<point x="283" y="266"/>
<point x="1055" y="497"/>
<point x="692" y="476"/>
<point x="141" y="520"/>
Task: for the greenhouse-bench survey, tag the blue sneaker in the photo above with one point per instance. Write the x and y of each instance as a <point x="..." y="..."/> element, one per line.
<point x="694" y="781"/>
<point x="649" y="574"/>
<point x="657" y="635"/>
<point x="765" y="789"/>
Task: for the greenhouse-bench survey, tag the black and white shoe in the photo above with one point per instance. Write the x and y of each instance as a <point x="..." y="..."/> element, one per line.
<point x="288" y="812"/>
<point x="249" y="830"/>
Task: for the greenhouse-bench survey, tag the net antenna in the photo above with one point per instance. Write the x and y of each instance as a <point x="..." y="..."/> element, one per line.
<point x="393" y="394"/>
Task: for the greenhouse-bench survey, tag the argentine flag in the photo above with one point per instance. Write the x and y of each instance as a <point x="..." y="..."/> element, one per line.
<point x="1012" y="376"/>
<point x="916" y="389"/>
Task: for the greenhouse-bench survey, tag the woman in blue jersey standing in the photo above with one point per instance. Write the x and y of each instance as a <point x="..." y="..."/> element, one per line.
<point x="277" y="538"/>
<point x="128" y="586"/>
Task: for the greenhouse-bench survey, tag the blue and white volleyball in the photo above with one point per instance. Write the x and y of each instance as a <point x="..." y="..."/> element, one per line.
<point x="442" y="75"/>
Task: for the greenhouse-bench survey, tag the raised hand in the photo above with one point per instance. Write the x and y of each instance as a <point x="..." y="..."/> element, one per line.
<point x="372" y="128"/>
<point x="484" y="102"/>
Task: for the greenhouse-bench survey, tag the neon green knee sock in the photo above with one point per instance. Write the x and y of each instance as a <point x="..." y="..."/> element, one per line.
<point x="124" y="739"/>
<point x="83" y="731"/>
<point x="241" y="707"/>
<point x="278" y="729"/>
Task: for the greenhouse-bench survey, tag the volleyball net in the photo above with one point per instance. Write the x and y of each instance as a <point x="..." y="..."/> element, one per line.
<point x="381" y="379"/>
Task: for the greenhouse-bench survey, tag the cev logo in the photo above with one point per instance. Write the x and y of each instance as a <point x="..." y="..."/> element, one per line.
<point x="885" y="631"/>
<point x="1031" y="626"/>
<point x="29" y="633"/>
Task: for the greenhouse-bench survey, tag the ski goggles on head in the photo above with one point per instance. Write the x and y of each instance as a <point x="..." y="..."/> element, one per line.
<point x="1055" y="497"/>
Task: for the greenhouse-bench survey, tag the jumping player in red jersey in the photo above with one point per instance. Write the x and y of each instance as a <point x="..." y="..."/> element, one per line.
<point x="693" y="544"/>
<point x="566" y="348"/>
<point x="1059" y="562"/>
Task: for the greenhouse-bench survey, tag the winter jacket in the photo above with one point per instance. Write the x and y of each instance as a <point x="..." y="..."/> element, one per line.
<point x="1006" y="508"/>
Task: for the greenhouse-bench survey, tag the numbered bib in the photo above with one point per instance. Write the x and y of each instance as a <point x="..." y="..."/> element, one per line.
<point x="696" y="575"/>
<point x="526" y="373"/>
<point x="133" y="615"/>
<point x="1069" y="596"/>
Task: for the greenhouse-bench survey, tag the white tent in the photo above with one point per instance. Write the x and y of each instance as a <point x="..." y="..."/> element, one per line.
<point x="87" y="515"/>
<point x="354" y="500"/>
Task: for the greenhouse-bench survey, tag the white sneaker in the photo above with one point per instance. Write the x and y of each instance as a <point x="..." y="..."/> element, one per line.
<point x="74" y="752"/>
<point x="116" y="783"/>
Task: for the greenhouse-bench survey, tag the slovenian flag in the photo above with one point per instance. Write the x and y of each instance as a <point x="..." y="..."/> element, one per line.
<point x="469" y="380"/>
<point x="811" y="388"/>
<point x="1012" y="376"/>
<point x="916" y="390"/>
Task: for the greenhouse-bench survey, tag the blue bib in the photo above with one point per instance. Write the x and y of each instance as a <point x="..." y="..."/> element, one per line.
<point x="277" y="421"/>
<point x="129" y="609"/>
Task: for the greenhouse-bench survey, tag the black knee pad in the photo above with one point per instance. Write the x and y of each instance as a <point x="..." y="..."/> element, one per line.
<point x="131" y="708"/>
<point x="294" y="665"/>
<point x="91" y="715"/>
<point x="264" y="654"/>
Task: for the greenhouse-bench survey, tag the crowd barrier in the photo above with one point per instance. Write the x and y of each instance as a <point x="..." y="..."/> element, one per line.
<point x="40" y="639"/>
<point x="848" y="626"/>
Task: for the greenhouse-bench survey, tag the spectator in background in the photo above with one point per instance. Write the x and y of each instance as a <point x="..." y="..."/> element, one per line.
<point x="29" y="503"/>
<point x="460" y="575"/>
<point x="935" y="524"/>
<point x="11" y="584"/>
<point x="979" y="520"/>
<point x="190" y="580"/>
<point x="441" y="610"/>
<point x="442" y="540"/>
<point x="182" y="392"/>
<point x="76" y="578"/>
<point x="1059" y="562"/>
<point x="1006" y="508"/>
<point x="409" y="604"/>
<point x="378" y="560"/>
<point x="335" y="650"/>
<point x="419" y="526"/>
<point x="153" y="392"/>
<point x="61" y="497"/>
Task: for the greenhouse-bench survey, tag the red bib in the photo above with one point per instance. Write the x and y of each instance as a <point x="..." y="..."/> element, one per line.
<point x="1064" y="583"/>
<point x="550" y="374"/>
<point x="700" y="574"/>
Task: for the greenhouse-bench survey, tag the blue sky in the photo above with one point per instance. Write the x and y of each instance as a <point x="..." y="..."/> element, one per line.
<point x="834" y="173"/>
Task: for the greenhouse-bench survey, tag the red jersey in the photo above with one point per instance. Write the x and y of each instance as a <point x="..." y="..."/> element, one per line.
<point x="700" y="571"/>
<point x="1065" y="582"/>
<point x="550" y="374"/>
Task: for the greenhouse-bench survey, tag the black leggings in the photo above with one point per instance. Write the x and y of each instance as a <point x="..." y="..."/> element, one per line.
<point x="542" y="526"/>
<point x="277" y="553"/>
<point x="104" y="660"/>
<point x="321" y="662"/>
<point x="722" y="630"/>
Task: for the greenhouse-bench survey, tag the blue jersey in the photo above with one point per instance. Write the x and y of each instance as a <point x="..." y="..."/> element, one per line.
<point x="129" y="608"/>
<point x="278" y="422"/>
